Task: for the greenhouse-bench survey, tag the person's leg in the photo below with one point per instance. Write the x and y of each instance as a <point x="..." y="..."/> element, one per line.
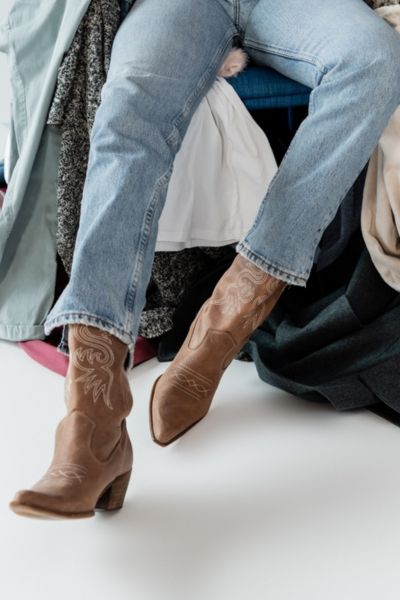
<point x="164" y="59"/>
<point x="351" y="59"/>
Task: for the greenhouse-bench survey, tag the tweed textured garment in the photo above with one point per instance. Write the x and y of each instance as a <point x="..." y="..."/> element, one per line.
<point x="81" y="77"/>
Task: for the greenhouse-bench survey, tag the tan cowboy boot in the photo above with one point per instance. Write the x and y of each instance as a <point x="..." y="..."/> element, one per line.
<point x="93" y="456"/>
<point x="240" y="302"/>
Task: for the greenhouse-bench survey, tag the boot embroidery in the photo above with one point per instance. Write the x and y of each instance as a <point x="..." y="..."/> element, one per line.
<point x="95" y="360"/>
<point x="189" y="381"/>
<point x="67" y="388"/>
<point x="245" y="301"/>
<point x="254" y="317"/>
<point x="244" y="291"/>
<point x="70" y="472"/>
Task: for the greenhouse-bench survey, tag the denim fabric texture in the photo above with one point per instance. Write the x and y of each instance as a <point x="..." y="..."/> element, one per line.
<point x="164" y="59"/>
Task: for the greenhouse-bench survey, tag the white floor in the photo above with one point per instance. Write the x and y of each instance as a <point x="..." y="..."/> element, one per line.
<point x="270" y="497"/>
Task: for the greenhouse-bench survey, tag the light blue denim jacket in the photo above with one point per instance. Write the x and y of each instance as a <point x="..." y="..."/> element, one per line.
<point x="35" y="36"/>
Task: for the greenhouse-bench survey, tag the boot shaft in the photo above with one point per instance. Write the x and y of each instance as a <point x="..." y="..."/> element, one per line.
<point x="96" y="382"/>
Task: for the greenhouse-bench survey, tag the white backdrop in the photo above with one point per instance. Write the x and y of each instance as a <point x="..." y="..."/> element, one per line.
<point x="5" y="95"/>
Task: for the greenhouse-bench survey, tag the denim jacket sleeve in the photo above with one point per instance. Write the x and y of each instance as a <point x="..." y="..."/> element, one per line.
<point x="4" y="36"/>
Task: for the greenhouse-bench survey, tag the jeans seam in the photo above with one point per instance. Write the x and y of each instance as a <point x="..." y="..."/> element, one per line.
<point x="145" y="229"/>
<point x="236" y="17"/>
<point x="311" y="109"/>
<point x="146" y="223"/>
<point x="286" y="53"/>
<point x="199" y="86"/>
<point x="311" y="103"/>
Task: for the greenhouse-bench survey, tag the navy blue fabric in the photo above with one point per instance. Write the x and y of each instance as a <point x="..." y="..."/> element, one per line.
<point x="263" y="87"/>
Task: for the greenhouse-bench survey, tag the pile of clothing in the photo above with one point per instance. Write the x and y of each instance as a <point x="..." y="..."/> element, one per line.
<point x="337" y="340"/>
<point x="79" y="82"/>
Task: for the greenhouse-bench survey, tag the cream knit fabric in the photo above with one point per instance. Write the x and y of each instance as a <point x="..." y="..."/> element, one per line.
<point x="380" y="212"/>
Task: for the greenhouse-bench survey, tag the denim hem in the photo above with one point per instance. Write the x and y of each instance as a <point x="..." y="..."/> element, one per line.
<point x="95" y="321"/>
<point x="278" y="272"/>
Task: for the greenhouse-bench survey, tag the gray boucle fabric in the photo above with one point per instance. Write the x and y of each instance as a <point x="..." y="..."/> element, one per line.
<point x="81" y="77"/>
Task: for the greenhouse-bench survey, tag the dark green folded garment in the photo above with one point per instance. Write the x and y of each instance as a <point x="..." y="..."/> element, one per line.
<point x="337" y="339"/>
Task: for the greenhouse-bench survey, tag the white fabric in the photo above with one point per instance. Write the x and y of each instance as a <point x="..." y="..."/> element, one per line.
<point x="221" y="174"/>
<point x="380" y="211"/>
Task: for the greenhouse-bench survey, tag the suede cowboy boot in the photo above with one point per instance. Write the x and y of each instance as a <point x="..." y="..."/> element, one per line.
<point x="241" y="300"/>
<point x="92" y="458"/>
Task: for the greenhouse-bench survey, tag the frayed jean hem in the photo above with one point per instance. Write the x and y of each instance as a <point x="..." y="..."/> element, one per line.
<point x="278" y="272"/>
<point x="87" y="319"/>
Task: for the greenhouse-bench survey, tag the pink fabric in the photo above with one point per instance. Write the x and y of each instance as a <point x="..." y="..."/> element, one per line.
<point x="47" y="355"/>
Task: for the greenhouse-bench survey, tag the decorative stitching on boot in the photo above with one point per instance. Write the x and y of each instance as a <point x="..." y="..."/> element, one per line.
<point x="253" y="317"/>
<point x="99" y="353"/>
<point x="192" y="383"/>
<point x="70" y="472"/>
<point x="67" y="387"/>
<point x="244" y="290"/>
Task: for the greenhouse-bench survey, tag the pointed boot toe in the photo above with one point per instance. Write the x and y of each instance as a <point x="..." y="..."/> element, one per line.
<point x="172" y="412"/>
<point x="30" y="503"/>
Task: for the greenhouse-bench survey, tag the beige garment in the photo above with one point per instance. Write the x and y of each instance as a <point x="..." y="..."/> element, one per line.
<point x="380" y="211"/>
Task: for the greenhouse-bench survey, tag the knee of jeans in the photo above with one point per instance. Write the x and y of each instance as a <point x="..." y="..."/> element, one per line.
<point x="130" y="102"/>
<point x="378" y="56"/>
<point x="372" y="67"/>
<point x="385" y="63"/>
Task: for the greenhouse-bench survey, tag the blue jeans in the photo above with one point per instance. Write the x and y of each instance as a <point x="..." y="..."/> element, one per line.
<point x="165" y="58"/>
